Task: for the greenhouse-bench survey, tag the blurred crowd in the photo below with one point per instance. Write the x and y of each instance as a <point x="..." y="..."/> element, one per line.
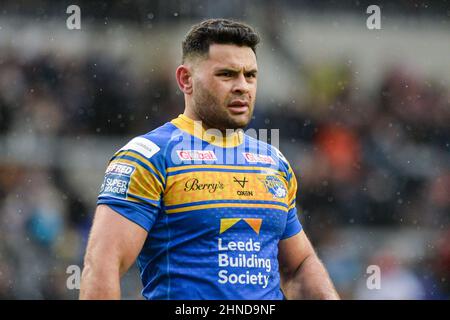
<point x="44" y="223"/>
<point x="363" y="159"/>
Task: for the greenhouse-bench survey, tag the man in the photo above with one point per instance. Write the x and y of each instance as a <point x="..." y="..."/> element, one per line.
<point x="207" y="213"/>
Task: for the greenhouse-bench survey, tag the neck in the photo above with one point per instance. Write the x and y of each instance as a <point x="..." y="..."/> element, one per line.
<point x="188" y="112"/>
<point x="193" y="127"/>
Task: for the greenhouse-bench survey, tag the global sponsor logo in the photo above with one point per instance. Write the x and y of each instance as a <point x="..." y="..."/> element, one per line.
<point x="194" y="184"/>
<point x="275" y="186"/>
<point x="191" y="155"/>
<point x="236" y="256"/>
<point x="258" y="158"/>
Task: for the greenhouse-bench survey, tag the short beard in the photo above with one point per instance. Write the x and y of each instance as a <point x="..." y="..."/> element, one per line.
<point x="208" y="109"/>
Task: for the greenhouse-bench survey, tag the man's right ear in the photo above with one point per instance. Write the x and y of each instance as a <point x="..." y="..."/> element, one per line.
<point x="184" y="79"/>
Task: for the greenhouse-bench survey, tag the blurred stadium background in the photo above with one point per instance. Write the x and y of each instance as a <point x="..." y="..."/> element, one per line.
<point x="364" y="118"/>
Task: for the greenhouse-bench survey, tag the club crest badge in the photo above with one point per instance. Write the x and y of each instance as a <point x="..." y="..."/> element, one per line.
<point x="275" y="186"/>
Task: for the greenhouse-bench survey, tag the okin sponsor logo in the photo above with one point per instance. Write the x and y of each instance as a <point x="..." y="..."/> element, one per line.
<point x="242" y="182"/>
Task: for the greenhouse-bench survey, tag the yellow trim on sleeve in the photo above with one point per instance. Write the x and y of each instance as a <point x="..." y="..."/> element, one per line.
<point x="144" y="160"/>
<point x="142" y="183"/>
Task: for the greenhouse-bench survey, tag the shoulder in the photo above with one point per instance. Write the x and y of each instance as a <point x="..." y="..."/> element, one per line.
<point x="273" y="152"/>
<point x="154" y="143"/>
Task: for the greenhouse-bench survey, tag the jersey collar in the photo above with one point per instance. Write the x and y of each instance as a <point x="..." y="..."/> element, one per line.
<point x="195" y="129"/>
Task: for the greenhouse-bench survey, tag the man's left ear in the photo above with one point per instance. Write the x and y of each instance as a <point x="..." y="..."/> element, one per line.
<point x="184" y="79"/>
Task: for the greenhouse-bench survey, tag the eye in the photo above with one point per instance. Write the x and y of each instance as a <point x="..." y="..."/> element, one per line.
<point x="225" y="74"/>
<point x="250" y="74"/>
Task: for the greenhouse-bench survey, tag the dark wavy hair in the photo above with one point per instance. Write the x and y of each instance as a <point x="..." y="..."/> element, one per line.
<point x="219" y="31"/>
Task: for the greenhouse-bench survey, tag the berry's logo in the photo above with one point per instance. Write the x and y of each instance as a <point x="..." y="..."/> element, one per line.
<point x="195" y="185"/>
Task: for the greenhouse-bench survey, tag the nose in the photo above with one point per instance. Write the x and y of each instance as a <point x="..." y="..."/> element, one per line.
<point x="240" y="85"/>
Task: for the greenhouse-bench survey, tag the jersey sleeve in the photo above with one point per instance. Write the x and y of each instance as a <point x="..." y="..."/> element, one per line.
<point x="293" y="225"/>
<point x="134" y="182"/>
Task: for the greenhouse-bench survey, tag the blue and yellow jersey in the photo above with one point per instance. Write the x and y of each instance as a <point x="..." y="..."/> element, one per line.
<point x="215" y="209"/>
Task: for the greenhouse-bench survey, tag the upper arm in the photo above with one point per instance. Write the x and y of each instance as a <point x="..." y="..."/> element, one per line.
<point x="292" y="252"/>
<point x="302" y="275"/>
<point x="134" y="182"/>
<point x="114" y="241"/>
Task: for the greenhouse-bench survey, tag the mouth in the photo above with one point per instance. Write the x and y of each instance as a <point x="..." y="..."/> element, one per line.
<point x="238" y="106"/>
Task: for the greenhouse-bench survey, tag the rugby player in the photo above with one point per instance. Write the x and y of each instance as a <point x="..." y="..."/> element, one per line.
<point x="207" y="211"/>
